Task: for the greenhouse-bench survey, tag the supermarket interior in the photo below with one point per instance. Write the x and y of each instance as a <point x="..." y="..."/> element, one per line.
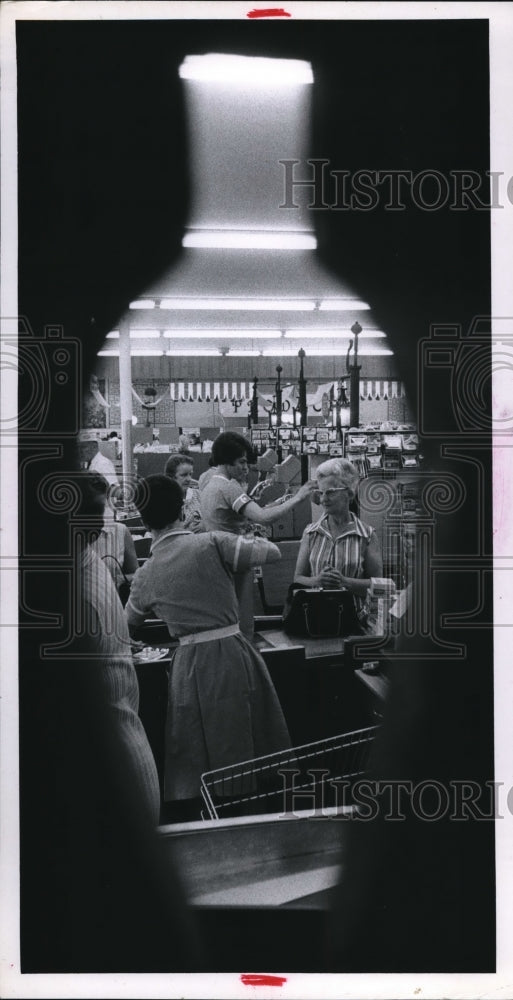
<point x="280" y="629"/>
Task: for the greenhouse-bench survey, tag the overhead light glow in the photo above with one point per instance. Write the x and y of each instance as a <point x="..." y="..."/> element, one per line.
<point x="108" y="354"/>
<point x="257" y="305"/>
<point x="144" y="334"/>
<point x="217" y="67"/>
<point x="244" y="239"/>
<point x="146" y="354"/>
<point x="374" y="351"/>
<point x="336" y="305"/>
<point x="224" y="334"/>
<point x="279" y="352"/>
<point x="113" y="335"/>
<point x="244" y="354"/>
<point x="194" y="352"/>
<point x="276" y="352"/>
<point x="320" y="352"/>
<point x="332" y="334"/>
<point x="142" y="304"/>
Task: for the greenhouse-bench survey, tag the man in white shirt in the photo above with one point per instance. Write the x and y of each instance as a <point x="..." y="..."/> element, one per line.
<point x="96" y="462"/>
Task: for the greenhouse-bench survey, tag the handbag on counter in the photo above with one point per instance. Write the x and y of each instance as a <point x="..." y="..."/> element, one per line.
<point x="320" y="614"/>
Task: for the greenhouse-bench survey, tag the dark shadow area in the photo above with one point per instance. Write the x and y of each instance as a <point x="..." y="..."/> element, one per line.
<point x="103" y="198"/>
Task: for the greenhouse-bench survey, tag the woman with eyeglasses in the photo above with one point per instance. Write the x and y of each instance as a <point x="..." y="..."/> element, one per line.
<point x="339" y="551"/>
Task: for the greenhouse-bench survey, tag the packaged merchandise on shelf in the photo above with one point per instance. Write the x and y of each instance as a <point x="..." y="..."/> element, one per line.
<point x="410" y="442"/>
<point x="357" y="442"/>
<point x="393" y="442"/>
<point x="373" y="444"/>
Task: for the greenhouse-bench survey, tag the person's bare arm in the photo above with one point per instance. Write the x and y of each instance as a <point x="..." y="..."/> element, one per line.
<point x="373" y="560"/>
<point x="267" y="515"/>
<point x="130" y="563"/>
<point x="302" y="572"/>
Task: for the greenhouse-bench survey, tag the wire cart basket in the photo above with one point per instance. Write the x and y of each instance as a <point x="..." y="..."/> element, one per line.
<point x="316" y="776"/>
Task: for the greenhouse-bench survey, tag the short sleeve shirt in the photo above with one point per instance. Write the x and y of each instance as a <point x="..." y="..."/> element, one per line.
<point x="222" y="505"/>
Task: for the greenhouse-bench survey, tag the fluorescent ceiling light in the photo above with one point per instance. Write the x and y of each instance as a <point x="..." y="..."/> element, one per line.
<point x="373" y="351"/>
<point x="320" y="352"/>
<point x="194" y="352"/>
<point x="144" y="334"/>
<point x="332" y="334"/>
<point x="243" y="239"/>
<point x="217" y="67"/>
<point x="334" y="305"/>
<point x="224" y="334"/>
<point x="145" y="354"/>
<point x="142" y="304"/>
<point x="243" y="354"/>
<point x="113" y="335"/>
<point x="108" y="354"/>
<point x="276" y="352"/>
<point x="258" y="305"/>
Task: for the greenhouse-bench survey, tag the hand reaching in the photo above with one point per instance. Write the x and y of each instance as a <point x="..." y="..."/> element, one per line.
<point x="306" y="490"/>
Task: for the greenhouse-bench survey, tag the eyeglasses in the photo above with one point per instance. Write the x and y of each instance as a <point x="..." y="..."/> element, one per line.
<point x="327" y="494"/>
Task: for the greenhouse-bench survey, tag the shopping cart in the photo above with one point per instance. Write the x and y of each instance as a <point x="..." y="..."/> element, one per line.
<point x="315" y="776"/>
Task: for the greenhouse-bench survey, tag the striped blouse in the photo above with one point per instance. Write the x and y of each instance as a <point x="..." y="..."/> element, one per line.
<point x="346" y="553"/>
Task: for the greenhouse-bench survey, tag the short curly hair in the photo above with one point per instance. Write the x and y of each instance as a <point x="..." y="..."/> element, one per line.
<point x="344" y="470"/>
<point x="229" y="446"/>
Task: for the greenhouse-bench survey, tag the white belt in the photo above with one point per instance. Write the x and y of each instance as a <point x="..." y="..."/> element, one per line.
<point x="211" y="633"/>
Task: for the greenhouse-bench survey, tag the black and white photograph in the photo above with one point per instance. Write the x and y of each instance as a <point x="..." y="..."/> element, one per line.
<point x="256" y="547"/>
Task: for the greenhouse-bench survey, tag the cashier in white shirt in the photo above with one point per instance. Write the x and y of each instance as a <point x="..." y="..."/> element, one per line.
<point x="226" y="506"/>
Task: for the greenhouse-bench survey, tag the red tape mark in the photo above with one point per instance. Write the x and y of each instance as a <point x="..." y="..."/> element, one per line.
<point x="259" y="979"/>
<point x="269" y="12"/>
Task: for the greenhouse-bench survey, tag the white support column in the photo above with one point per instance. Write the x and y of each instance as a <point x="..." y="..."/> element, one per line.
<point x="125" y="397"/>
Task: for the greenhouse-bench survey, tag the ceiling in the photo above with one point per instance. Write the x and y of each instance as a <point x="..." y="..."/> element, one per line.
<point x="252" y="297"/>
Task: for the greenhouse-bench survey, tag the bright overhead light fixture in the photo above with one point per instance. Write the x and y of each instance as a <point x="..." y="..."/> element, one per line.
<point x="146" y="354"/>
<point x="322" y="352"/>
<point x="216" y="67"/>
<point x="142" y="304"/>
<point x="333" y="334"/>
<point x="224" y="334"/>
<point x="257" y="305"/>
<point x="113" y="335"/>
<point x="243" y="354"/>
<point x="108" y="354"/>
<point x="144" y="334"/>
<point x="278" y="352"/>
<point x="194" y="352"/>
<point x="244" y="239"/>
<point x="374" y="351"/>
<point x="336" y="305"/>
